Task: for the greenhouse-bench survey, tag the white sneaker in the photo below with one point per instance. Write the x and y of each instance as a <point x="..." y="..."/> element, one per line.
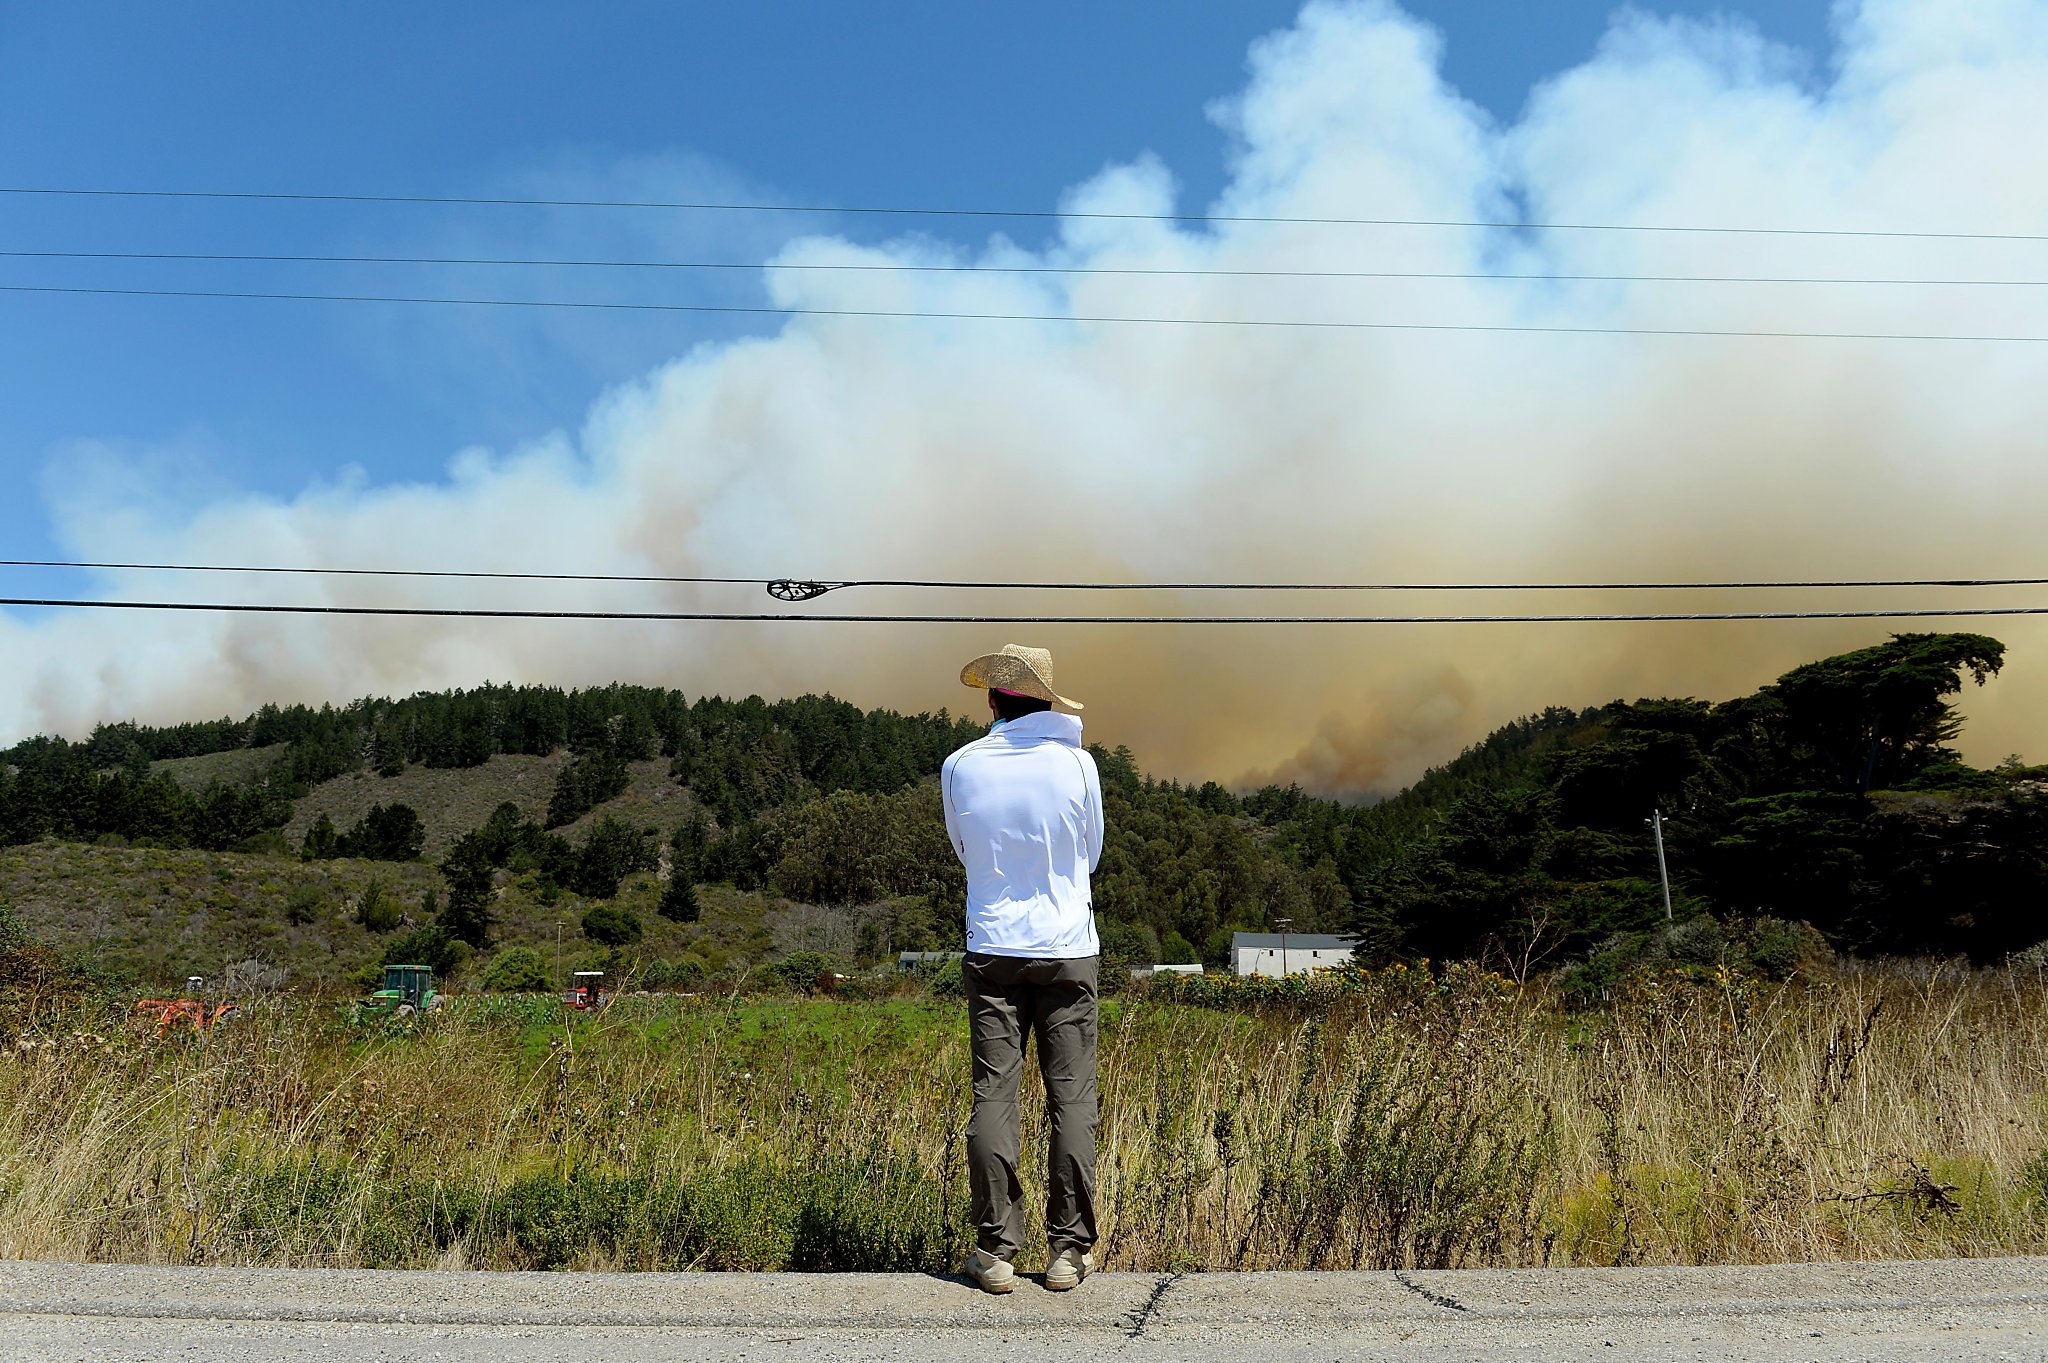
<point x="1067" y="1268"/>
<point x="994" y="1275"/>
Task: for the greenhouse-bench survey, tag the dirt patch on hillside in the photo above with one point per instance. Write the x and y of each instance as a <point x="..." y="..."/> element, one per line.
<point x="237" y="766"/>
<point x="450" y="801"/>
<point x="652" y="801"/>
<point x="454" y="801"/>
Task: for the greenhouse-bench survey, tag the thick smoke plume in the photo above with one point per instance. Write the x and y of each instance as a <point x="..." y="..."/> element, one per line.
<point x="882" y="448"/>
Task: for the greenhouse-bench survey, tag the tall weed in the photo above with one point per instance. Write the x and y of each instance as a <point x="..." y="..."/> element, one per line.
<point x="1410" y="1119"/>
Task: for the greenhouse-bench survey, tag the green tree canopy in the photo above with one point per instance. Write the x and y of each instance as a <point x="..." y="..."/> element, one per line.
<point x="390" y="832"/>
<point x="611" y="926"/>
<point x="1873" y="718"/>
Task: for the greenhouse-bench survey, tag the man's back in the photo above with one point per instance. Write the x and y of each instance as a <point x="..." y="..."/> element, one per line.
<point x="1024" y="811"/>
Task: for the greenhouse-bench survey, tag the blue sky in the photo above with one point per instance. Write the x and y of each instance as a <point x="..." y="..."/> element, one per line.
<point x="895" y="104"/>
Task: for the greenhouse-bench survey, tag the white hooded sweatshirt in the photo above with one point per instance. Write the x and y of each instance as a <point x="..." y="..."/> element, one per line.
<point x="1024" y="811"/>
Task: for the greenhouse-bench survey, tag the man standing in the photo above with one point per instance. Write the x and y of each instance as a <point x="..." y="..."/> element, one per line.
<point x="1024" y="812"/>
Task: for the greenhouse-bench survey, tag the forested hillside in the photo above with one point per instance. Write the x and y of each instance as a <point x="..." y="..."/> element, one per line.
<point x="1831" y="797"/>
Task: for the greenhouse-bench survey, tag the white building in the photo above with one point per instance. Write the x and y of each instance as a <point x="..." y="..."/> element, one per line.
<point x="1294" y="953"/>
<point x="1144" y="972"/>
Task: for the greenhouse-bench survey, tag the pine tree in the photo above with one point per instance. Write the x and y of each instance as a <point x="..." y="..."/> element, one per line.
<point x="467" y="868"/>
<point x="685" y="866"/>
<point x="679" y="898"/>
<point x="320" y="840"/>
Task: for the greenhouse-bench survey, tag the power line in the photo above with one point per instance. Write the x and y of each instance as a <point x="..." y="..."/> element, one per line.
<point x="448" y="612"/>
<point x="385" y="572"/>
<point x="1425" y="586"/>
<point x="912" y="315"/>
<point x="809" y="588"/>
<point x="917" y="268"/>
<point x="1038" y="213"/>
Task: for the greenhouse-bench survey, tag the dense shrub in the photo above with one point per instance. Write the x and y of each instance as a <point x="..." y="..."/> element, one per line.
<point x="303" y="903"/>
<point x="613" y="927"/>
<point x="803" y="971"/>
<point x="1777" y="949"/>
<point x="1770" y="948"/>
<point x="375" y="909"/>
<point x="431" y="946"/>
<point x="517" y="970"/>
<point x="1128" y="944"/>
<point x="949" y="981"/>
<point x="685" y="974"/>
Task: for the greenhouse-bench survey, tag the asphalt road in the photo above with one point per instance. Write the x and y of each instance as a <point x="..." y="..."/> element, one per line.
<point x="1966" y="1309"/>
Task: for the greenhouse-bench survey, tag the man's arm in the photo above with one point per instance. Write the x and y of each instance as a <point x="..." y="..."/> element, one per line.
<point x="1094" y="778"/>
<point x="952" y="815"/>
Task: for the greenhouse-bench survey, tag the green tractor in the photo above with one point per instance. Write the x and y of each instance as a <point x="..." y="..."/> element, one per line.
<point x="408" y="991"/>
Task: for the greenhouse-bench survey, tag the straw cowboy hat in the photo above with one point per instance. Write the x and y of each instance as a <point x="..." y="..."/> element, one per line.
<point x="1019" y="669"/>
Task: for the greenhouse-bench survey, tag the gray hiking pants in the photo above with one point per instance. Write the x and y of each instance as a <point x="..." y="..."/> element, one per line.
<point x="1009" y="997"/>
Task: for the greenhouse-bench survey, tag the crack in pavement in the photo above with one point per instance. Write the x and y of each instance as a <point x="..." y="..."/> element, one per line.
<point x="1433" y="1298"/>
<point x="1142" y="1317"/>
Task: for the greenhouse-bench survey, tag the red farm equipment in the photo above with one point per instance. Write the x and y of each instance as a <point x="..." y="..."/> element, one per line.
<point x="586" y="990"/>
<point x="177" y="1015"/>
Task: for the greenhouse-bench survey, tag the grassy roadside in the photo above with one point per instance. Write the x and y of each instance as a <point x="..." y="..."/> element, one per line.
<point x="1423" y="1120"/>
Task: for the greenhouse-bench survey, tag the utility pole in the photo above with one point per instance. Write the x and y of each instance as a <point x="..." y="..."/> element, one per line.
<point x="1284" y="924"/>
<point x="1656" y="822"/>
<point x="558" y="960"/>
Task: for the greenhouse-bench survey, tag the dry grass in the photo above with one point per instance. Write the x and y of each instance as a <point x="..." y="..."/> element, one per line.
<point x="1458" y="1121"/>
<point x="450" y="801"/>
<point x="236" y="766"/>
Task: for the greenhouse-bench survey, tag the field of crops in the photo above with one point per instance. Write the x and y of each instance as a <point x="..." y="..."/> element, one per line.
<point x="1411" y="1119"/>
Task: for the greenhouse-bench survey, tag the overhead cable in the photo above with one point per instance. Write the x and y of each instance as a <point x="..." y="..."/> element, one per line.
<point x="1069" y="319"/>
<point x="384" y="572"/>
<point x="454" y="612"/>
<point x="904" y="267"/>
<point x="803" y="588"/>
<point x="699" y="205"/>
